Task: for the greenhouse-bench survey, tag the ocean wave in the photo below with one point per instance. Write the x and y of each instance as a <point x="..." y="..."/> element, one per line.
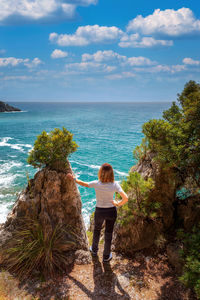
<point x="87" y="209"/>
<point x="7" y="179"/>
<point x="9" y="172"/>
<point x="98" y="167"/>
<point x="4" y="143"/>
<point x="86" y="165"/>
<point x="4" y="207"/>
<point x="121" y="173"/>
<point x="13" y="112"/>
<point x="7" y="166"/>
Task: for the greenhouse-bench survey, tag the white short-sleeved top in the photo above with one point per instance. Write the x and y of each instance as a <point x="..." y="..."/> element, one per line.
<point x="105" y="192"/>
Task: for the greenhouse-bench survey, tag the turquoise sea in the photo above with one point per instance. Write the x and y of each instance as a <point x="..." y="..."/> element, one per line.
<point x="105" y="132"/>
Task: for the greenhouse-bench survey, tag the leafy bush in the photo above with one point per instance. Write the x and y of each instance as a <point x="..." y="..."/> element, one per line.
<point x="52" y="149"/>
<point x="191" y="258"/>
<point x="176" y="137"/>
<point x="138" y="190"/>
<point x="140" y="151"/>
<point x="30" y="248"/>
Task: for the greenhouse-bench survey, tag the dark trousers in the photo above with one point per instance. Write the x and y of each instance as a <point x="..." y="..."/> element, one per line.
<point x="109" y="215"/>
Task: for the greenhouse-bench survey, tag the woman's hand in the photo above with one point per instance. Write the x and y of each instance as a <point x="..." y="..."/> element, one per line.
<point x="115" y="203"/>
<point x="70" y="176"/>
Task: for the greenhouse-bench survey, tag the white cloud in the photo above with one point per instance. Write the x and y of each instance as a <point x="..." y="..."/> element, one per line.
<point x="102" y="56"/>
<point x="57" y="53"/>
<point x="135" y="41"/>
<point x="19" y="77"/>
<point x="139" y="61"/>
<point x="190" y="61"/>
<point x="84" y="2"/>
<point x="108" y="61"/>
<point x="39" y="9"/>
<point x="34" y="63"/>
<point x="168" y="22"/>
<point x="86" y="35"/>
<point x="110" y="68"/>
<point x="114" y="76"/>
<point x="162" y="68"/>
<point x="12" y="61"/>
<point x="114" y="57"/>
<point x="84" y="67"/>
<point x="68" y="9"/>
<point x="121" y="75"/>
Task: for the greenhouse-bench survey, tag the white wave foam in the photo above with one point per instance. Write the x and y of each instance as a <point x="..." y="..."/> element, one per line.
<point x="4" y="168"/>
<point x="86" y="165"/>
<point x="4" y="211"/>
<point x="86" y="211"/>
<point x="13" y="112"/>
<point x="98" y="167"/>
<point x="94" y="167"/>
<point x="4" y="143"/>
<point x="8" y="179"/>
<point x="121" y="173"/>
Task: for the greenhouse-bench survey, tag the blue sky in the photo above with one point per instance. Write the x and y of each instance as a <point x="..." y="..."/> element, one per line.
<point x="98" y="50"/>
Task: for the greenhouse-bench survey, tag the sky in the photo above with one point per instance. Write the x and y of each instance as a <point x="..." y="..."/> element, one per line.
<point x="98" y="50"/>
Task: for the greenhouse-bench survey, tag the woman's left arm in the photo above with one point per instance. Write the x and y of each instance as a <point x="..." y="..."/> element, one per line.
<point x="83" y="183"/>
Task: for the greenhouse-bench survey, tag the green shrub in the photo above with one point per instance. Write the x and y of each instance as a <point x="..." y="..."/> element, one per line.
<point x="139" y="153"/>
<point x="191" y="259"/>
<point x="138" y="190"/>
<point x="176" y="137"/>
<point x="52" y="149"/>
<point x="31" y="248"/>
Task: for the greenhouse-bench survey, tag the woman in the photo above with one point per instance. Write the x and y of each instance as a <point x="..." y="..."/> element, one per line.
<point x="105" y="210"/>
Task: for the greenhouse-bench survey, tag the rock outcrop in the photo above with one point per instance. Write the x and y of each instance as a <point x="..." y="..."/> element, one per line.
<point x="188" y="211"/>
<point x="142" y="231"/>
<point x="54" y="199"/>
<point x="5" y="107"/>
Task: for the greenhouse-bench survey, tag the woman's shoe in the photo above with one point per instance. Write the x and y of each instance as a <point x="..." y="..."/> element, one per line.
<point x="107" y="258"/>
<point x="93" y="252"/>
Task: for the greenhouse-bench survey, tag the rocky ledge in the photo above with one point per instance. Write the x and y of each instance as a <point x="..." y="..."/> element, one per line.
<point x="5" y="107"/>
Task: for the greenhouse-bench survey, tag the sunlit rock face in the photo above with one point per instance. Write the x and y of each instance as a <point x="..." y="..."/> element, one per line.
<point x="54" y="199"/>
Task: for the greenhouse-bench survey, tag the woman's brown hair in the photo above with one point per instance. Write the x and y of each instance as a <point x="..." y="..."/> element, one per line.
<point x="106" y="173"/>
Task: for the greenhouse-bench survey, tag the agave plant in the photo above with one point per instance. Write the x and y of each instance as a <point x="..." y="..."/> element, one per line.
<point x="30" y="248"/>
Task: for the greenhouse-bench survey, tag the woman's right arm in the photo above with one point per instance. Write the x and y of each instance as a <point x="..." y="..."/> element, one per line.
<point x="83" y="183"/>
<point x="123" y="201"/>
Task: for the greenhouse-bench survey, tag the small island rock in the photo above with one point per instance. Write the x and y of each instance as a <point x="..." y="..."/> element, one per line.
<point x="5" y="107"/>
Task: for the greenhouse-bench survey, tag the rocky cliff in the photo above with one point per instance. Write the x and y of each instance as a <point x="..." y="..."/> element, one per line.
<point x="5" y="107"/>
<point x="53" y="199"/>
<point x="143" y="232"/>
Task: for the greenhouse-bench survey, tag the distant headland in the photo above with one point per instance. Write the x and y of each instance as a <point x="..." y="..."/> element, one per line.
<point x="5" y="107"/>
